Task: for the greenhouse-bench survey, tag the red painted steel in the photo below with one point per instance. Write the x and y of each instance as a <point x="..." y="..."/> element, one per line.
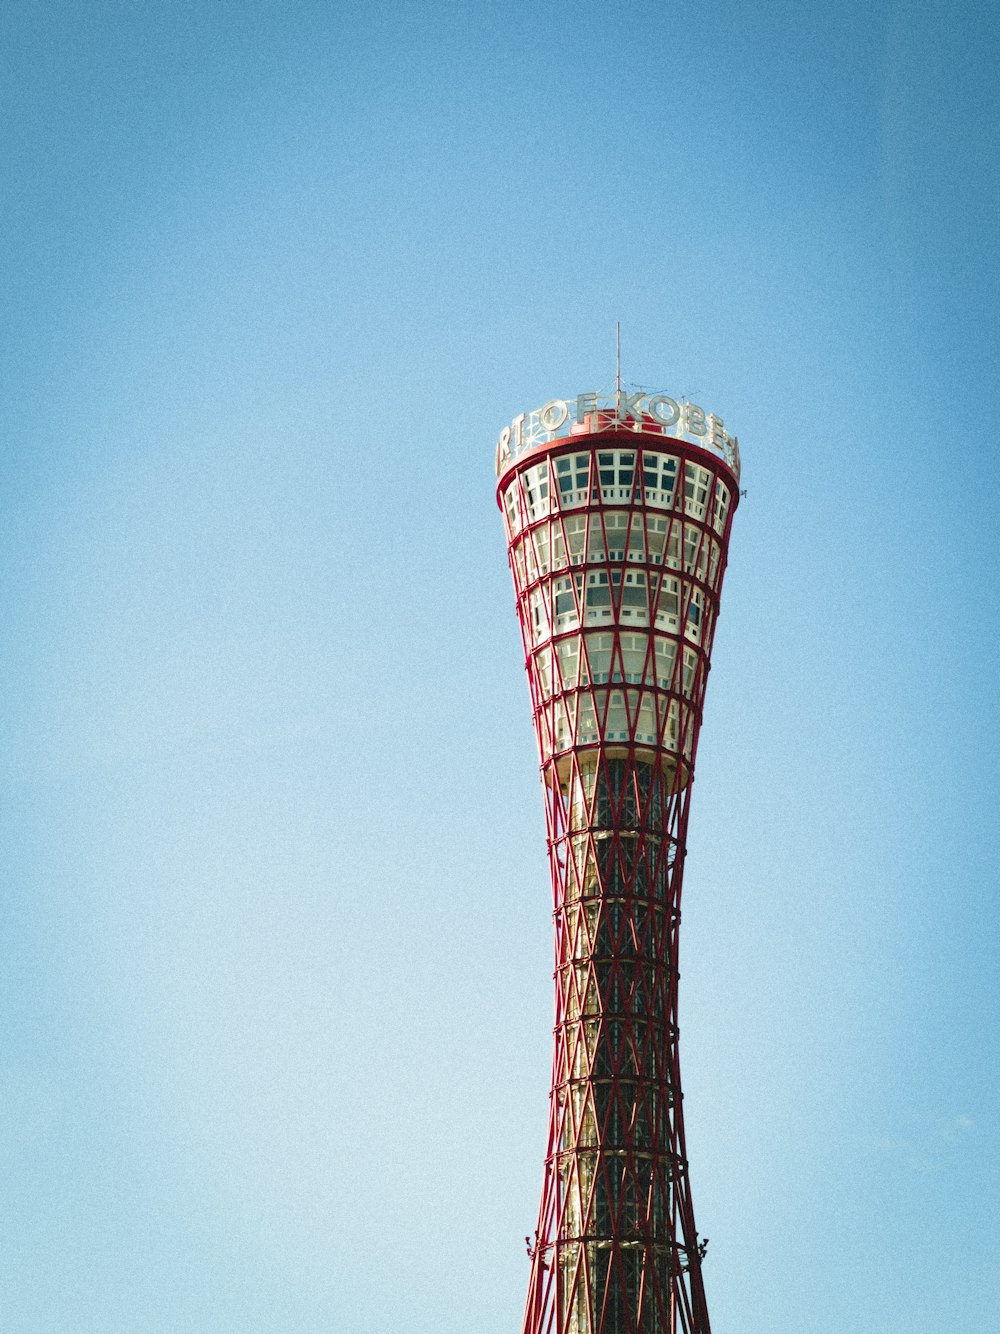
<point x="617" y="543"/>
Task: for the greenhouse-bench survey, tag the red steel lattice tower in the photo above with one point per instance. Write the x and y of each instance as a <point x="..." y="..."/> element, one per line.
<point x="617" y="513"/>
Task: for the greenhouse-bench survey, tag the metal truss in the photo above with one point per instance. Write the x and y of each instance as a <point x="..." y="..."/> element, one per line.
<point x="618" y="547"/>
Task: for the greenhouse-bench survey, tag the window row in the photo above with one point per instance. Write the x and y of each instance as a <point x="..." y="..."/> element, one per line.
<point x="614" y="475"/>
<point x="642" y="717"/>
<point x="615" y="470"/>
<point x="617" y="597"/>
<point x="616" y="535"/>
<point x="594" y="658"/>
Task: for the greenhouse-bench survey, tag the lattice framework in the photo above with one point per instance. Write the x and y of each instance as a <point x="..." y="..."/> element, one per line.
<point x="617" y="545"/>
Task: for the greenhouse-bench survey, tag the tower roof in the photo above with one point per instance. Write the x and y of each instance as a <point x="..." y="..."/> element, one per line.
<point x="641" y="412"/>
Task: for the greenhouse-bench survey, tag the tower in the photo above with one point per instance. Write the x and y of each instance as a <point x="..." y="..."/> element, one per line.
<point x="617" y="511"/>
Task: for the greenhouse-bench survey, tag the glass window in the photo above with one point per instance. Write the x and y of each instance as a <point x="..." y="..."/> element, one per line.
<point x="517" y="556"/>
<point x="659" y="475"/>
<point x="596" y="550"/>
<point x="693" y="626"/>
<point x="530" y="557"/>
<point x="635" y="600"/>
<point x="696" y="483"/>
<point x="563" y="728"/>
<point x="566" y="599"/>
<point x="634" y="650"/>
<point x="646" y="727"/>
<point x="536" y="489"/>
<point x="656" y="530"/>
<point x="538" y="618"/>
<point x="568" y="651"/>
<point x="673" y="555"/>
<point x="573" y="479"/>
<point x="586" y="720"/>
<point x="512" y="509"/>
<point x="690" y="667"/>
<point x="616" y="726"/>
<point x="706" y="623"/>
<point x="680" y="728"/>
<point x="696" y="548"/>
<point x="668" y="718"/>
<point x="713" y="563"/>
<point x="637" y="538"/>
<point x="668" y="605"/>
<point x="666" y="657"/>
<point x="616" y="470"/>
<point x="543" y="672"/>
<point x="599" y="654"/>
<point x="598" y="596"/>
<point x="616" y="529"/>
<point x="721" y="506"/>
<point x="576" y="537"/>
<point x="559" y="561"/>
<point x="664" y="541"/>
<point x="540" y="537"/>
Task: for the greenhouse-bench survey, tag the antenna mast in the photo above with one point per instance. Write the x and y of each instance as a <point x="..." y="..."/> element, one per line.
<point x="618" y="366"/>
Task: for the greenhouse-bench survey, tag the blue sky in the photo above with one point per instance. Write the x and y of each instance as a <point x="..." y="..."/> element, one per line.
<point x="275" y="995"/>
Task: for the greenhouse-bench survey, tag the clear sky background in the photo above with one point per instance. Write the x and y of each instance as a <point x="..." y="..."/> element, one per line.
<point x="275" y="981"/>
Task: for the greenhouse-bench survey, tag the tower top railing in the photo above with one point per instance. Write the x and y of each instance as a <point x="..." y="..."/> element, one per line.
<point x="643" y="411"/>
